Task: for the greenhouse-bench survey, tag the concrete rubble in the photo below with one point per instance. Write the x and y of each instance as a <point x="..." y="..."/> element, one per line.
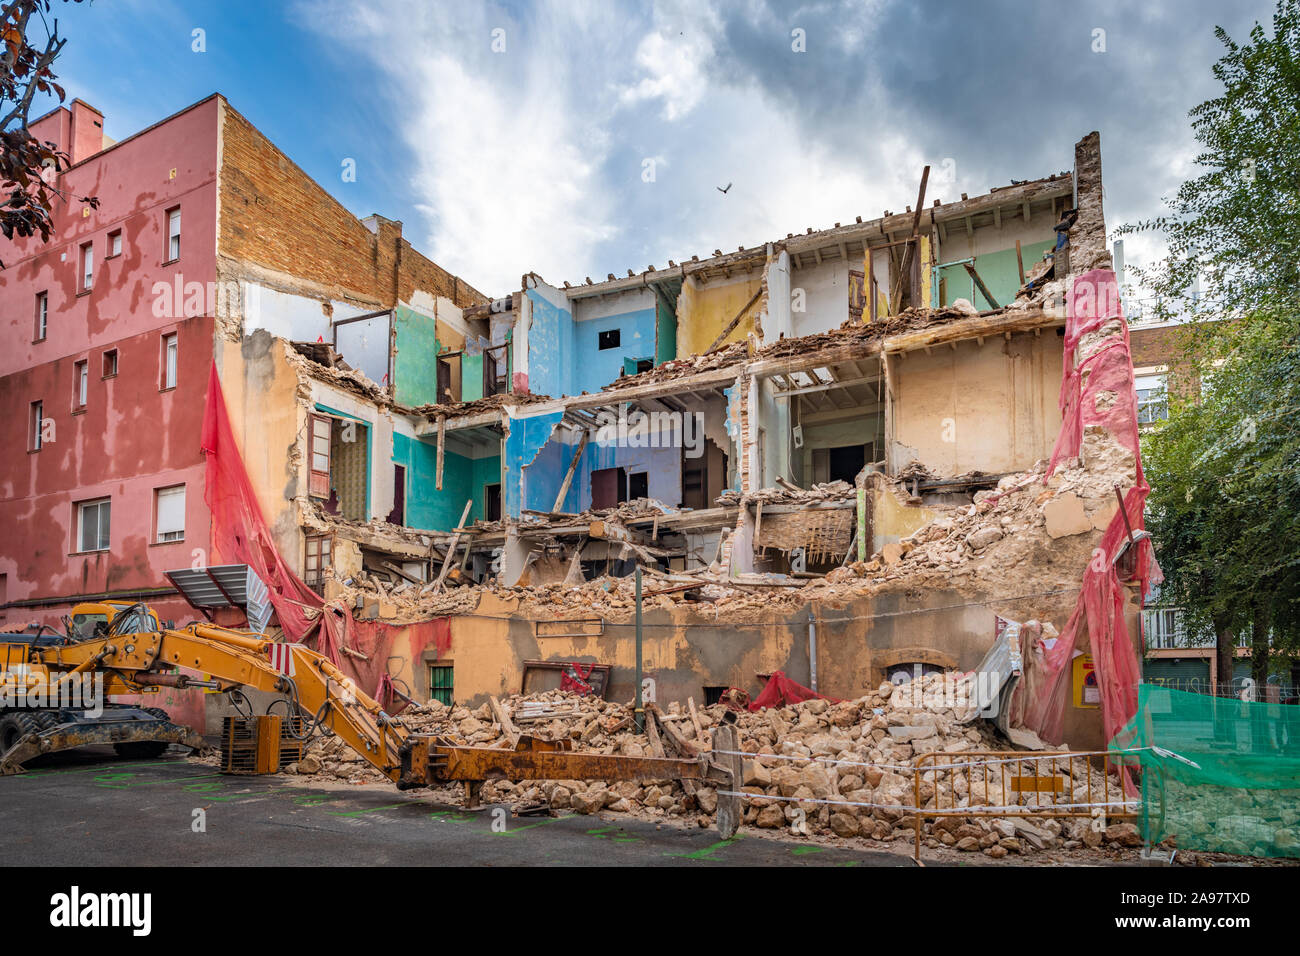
<point x="839" y="769"/>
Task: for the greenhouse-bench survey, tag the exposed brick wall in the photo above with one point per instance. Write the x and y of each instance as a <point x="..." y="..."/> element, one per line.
<point x="1166" y="345"/>
<point x="276" y="216"/>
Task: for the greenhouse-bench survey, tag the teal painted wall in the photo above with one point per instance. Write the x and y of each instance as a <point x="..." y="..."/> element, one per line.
<point x="999" y="272"/>
<point x="471" y="377"/>
<point x="462" y="478"/>
<point x="416" y="366"/>
<point x="665" y="332"/>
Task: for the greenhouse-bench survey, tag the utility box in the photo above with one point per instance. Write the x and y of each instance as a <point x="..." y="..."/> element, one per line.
<point x="258" y="745"/>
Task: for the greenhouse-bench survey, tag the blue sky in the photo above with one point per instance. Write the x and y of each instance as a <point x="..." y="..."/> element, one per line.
<point x="535" y="156"/>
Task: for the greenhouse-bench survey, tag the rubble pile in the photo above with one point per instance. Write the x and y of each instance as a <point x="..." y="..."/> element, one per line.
<point x="839" y="769"/>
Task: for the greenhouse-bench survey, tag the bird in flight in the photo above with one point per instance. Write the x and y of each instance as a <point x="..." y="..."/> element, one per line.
<point x="721" y="190"/>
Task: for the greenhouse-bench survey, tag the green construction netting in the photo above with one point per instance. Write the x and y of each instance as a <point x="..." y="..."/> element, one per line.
<point x="1217" y="774"/>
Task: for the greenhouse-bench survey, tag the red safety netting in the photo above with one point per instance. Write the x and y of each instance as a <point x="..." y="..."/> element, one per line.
<point x="240" y="536"/>
<point x="1099" y="392"/>
<point x="781" y="690"/>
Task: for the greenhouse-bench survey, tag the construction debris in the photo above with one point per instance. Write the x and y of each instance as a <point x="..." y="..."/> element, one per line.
<point x="839" y="769"/>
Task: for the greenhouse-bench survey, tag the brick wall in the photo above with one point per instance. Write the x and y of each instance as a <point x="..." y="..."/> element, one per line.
<point x="276" y="216"/>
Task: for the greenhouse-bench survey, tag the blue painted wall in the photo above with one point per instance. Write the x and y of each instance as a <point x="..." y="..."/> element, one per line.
<point x="550" y="347"/>
<point x="595" y="367"/>
<point x="565" y="357"/>
<point x="528" y="436"/>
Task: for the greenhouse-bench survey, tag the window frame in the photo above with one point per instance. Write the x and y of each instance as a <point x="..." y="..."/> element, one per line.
<point x="169" y="342"/>
<point x="114" y="239"/>
<point x="449" y="687"/>
<point x="1161" y="404"/>
<point x="86" y="265"/>
<point x="80" y="384"/>
<point x="104" y="373"/>
<point x="35" y="417"/>
<point x="607" y="339"/>
<point x="318" y="481"/>
<point x="81" y="508"/>
<point x="42" y="318"/>
<point x="173" y="213"/>
<point x="158" y="494"/>
<point x="314" y="578"/>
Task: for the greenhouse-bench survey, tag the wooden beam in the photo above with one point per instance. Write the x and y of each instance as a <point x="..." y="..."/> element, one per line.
<point x="573" y="466"/>
<point x="979" y="283"/>
<point x="1020" y="263"/>
<point x="451" y="548"/>
<point x="722" y="336"/>
<point x="442" y="448"/>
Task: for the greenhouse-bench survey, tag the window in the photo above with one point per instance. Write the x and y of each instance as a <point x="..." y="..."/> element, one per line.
<point x="318" y="559"/>
<point x="169" y="514"/>
<point x="1152" y="406"/>
<point x="42" y="315"/>
<point x="35" y="417"/>
<point x="173" y="234"/>
<point x="169" y="360"/>
<point x="318" y="483"/>
<point x="92" y="525"/>
<point x="638" y="485"/>
<point x="441" y="684"/>
<point x="114" y="244"/>
<point x="87" y="266"/>
<point x="609" y="339"/>
<point x="81" y="378"/>
<point x="110" y="363"/>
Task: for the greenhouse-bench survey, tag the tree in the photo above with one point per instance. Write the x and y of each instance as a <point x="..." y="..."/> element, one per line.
<point x="1225" y="468"/>
<point x="28" y="167"/>
<point x="1224" y="507"/>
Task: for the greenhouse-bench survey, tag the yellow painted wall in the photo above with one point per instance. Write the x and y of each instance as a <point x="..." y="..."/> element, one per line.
<point x="704" y="311"/>
<point x="267" y="417"/>
<point x="891" y="519"/>
<point x="991" y="407"/>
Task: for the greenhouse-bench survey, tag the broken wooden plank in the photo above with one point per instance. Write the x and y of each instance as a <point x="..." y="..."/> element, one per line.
<point x="442" y="449"/>
<point x="451" y="549"/>
<point x="1020" y="262"/>
<point x="731" y="326"/>
<point x="507" y="726"/>
<point x="573" y="466"/>
<point x="979" y="284"/>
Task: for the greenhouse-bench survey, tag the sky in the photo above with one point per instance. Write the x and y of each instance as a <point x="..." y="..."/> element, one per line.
<point x="577" y="139"/>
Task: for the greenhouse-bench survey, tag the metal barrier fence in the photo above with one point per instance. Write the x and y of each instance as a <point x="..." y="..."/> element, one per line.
<point x="1015" y="783"/>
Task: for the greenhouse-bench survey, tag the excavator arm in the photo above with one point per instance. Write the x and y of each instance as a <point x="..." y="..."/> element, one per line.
<point x="316" y="689"/>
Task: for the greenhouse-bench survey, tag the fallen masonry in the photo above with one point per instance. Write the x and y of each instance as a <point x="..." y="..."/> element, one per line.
<point x="819" y="768"/>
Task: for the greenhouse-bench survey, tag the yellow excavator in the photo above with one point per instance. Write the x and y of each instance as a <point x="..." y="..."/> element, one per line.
<point x="120" y="648"/>
<point x="55" y="691"/>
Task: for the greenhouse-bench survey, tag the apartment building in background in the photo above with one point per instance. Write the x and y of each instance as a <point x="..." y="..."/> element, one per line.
<point x="110" y="331"/>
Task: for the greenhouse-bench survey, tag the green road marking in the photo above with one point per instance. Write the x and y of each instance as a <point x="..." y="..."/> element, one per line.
<point x="708" y="852"/>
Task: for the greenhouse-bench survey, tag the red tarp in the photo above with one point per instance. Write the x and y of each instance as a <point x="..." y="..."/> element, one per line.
<point x="781" y="690"/>
<point x="1100" y="392"/>
<point x="240" y="536"/>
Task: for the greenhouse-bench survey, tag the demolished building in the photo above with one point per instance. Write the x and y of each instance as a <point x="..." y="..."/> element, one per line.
<point x="828" y="455"/>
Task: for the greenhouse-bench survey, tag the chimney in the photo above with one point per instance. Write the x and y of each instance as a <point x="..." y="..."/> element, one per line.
<point x="87" y="137"/>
